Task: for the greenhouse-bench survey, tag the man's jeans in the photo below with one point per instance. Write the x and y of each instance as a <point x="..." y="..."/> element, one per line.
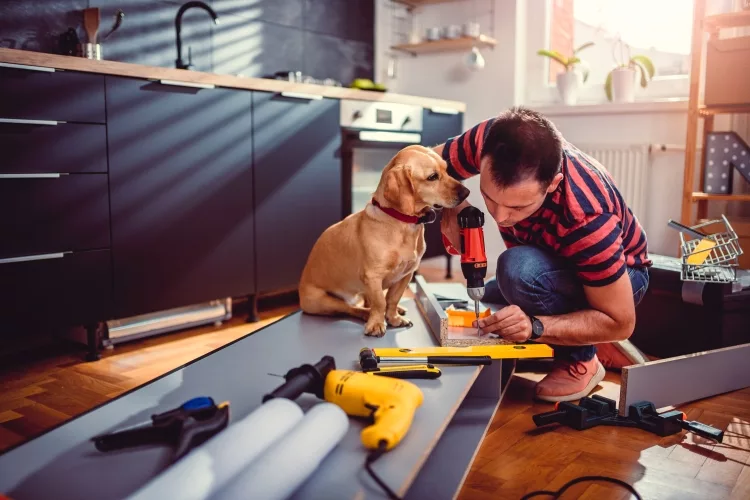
<point x="543" y="284"/>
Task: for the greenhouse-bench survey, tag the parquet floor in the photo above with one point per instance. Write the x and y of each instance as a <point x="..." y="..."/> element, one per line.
<point x="48" y="388"/>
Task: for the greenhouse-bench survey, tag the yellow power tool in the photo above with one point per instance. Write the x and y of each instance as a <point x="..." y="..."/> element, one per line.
<point x="390" y="402"/>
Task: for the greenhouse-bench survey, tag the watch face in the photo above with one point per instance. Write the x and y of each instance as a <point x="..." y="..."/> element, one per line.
<point x="536" y="327"/>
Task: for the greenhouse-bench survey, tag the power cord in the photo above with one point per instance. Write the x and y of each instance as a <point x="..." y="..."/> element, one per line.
<point x="556" y="494"/>
<point x="371" y="457"/>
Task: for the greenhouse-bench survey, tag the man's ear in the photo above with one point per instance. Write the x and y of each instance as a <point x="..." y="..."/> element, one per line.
<point x="555" y="182"/>
<point x="399" y="190"/>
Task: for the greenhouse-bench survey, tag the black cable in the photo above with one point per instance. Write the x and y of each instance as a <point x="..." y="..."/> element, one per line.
<point x="556" y="494"/>
<point x="371" y="457"/>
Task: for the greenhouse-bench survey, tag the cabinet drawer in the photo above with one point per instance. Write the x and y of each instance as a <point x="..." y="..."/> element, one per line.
<point x="71" y="289"/>
<point x="42" y="215"/>
<point x="67" y="147"/>
<point x="51" y="95"/>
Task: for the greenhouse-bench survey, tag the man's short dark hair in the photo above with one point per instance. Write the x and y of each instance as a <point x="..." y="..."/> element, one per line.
<point x="522" y="144"/>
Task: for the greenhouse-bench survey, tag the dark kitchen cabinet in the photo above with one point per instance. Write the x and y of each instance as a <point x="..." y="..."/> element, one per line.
<point x="181" y="189"/>
<point x="437" y="127"/>
<point x="297" y="183"/>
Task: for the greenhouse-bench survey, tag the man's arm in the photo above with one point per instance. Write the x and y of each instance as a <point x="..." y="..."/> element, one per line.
<point x="594" y="249"/>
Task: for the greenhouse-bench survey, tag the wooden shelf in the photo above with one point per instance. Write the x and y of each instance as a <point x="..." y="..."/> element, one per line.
<point x="446" y="45"/>
<point x="728" y="20"/>
<point x="724" y="109"/>
<point x="697" y="196"/>
<point x="419" y="3"/>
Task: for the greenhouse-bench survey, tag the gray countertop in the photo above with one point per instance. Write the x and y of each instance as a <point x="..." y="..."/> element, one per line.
<point x="65" y="462"/>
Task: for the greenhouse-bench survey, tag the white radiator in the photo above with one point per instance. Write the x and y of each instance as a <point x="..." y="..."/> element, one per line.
<point x="629" y="168"/>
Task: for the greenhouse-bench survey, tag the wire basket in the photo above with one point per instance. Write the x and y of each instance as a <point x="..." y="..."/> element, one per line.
<point x="720" y="266"/>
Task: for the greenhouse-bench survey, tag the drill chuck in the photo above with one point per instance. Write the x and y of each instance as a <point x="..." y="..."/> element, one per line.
<point x="305" y="378"/>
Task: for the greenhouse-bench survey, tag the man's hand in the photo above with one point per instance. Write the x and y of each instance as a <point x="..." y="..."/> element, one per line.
<point x="449" y="224"/>
<point x="510" y="323"/>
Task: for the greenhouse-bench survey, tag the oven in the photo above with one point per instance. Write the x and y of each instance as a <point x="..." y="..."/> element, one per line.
<point x="372" y="133"/>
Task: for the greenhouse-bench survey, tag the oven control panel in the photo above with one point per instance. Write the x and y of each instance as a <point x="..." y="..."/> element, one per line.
<point x="381" y="116"/>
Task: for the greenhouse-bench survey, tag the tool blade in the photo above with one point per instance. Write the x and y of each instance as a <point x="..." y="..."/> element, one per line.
<point x="476" y="312"/>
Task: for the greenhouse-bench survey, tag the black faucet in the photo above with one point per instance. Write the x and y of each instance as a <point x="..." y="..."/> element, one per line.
<point x="178" y="28"/>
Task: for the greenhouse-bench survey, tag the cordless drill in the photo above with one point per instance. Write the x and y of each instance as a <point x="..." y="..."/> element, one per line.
<point x="473" y="257"/>
<point x="390" y="402"/>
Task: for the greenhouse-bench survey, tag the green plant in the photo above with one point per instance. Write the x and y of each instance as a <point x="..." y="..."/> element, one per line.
<point x="569" y="62"/>
<point x="639" y="63"/>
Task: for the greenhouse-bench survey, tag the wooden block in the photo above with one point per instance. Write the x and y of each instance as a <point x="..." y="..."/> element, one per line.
<point x="673" y="381"/>
<point x="437" y="320"/>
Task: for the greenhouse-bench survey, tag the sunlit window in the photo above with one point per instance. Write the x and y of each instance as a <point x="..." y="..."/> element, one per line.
<point x="659" y="29"/>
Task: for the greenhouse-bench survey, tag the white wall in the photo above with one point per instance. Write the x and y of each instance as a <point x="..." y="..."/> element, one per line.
<point x="504" y="82"/>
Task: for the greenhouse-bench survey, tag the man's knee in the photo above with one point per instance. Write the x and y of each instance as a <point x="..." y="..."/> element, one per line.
<point x="517" y="270"/>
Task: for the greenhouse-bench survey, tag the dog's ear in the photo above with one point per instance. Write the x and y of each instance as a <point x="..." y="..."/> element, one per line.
<point x="399" y="189"/>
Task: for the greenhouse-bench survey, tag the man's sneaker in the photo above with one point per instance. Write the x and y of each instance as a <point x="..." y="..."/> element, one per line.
<point x="617" y="355"/>
<point x="570" y="380"/>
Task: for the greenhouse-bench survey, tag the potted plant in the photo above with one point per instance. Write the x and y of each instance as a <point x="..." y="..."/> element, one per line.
<point x="569" y="80"/>
<point x="621" y="81"/>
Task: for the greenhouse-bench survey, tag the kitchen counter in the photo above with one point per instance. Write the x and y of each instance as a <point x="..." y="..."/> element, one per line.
<point x="61" y="62"/>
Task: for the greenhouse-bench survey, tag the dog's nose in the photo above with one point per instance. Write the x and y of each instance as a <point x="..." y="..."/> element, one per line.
<point x="463" y="193"/>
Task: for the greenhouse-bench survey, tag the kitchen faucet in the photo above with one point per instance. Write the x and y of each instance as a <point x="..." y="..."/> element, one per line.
<point x="178" y="28"/>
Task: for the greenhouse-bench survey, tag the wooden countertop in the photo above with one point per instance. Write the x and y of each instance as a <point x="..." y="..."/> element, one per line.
<point x="263" y="84"/>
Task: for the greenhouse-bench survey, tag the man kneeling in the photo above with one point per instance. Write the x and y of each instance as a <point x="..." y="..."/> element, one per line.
<point x="577" y="262"/>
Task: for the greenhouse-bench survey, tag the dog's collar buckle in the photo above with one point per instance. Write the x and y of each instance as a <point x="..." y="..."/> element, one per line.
<point x="427" y="218"/>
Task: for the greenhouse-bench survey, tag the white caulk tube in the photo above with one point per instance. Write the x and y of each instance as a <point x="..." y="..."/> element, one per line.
<point x="207" y="468"/>
<point x="287" y="463"/>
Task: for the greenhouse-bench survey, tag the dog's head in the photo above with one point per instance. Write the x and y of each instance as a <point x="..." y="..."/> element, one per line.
<point x="417" y="179"/>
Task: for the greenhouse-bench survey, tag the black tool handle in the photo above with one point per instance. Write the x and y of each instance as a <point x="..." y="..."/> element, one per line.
<point x="549" y="417"/>
<point x="421" y="374"/>
<point x="703" y="430"/>
<point x="685" y="229"/>
<point x="292" y="388"/>
<point x="459" y="360"/>
<point x="131" y="438"/>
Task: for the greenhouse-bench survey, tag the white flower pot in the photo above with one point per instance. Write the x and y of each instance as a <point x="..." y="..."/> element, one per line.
<point x="623" y="85"/>
<point x="567" y="85"/>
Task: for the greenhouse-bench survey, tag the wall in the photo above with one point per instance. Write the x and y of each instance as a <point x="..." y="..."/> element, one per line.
<point x="321" y="38"/>
<point x="445" y="75"/>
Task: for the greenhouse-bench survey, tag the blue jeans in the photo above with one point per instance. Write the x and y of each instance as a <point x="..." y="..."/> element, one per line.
<point x="543" y="284"/>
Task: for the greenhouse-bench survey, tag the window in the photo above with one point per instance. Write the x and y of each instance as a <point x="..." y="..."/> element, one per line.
<point x="659" y="29"/>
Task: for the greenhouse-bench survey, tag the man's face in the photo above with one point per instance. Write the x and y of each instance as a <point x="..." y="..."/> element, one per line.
<point x="510" y="205"/>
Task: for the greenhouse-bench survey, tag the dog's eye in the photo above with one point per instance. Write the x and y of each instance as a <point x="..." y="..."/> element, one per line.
<point x="433" y="177"/>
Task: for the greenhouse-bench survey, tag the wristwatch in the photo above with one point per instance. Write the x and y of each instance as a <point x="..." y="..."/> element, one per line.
<point x="537" y="328"/>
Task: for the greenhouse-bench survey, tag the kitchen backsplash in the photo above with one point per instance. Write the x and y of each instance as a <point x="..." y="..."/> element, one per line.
<point x="320" y="38"/>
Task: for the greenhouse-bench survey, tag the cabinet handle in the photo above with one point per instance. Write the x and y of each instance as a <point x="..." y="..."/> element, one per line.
<point x="28" y="258"/>
<point x="31" y="176"/>
<point x="18" y="121"/>
<point x="25" y="66"/>
<point x="188" y="84"/>
<point x="443" y="111"/>
<point x="300" y="95"/>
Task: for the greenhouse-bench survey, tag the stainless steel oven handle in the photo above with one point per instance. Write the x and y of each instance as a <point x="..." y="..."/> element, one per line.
<point x="19" y="121"/>
<point x="386" y="136"/>
<point x="29" y="258"/>
<point x="26" y="66"/>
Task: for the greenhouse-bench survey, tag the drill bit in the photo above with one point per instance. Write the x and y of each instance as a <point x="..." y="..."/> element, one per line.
<point x="476" y="312"/>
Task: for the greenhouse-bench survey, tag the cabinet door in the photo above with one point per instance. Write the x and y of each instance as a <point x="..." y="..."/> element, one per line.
<point x="437" y="127"/>
<point x="297" y="183"/>
<point x="181" y="181"/>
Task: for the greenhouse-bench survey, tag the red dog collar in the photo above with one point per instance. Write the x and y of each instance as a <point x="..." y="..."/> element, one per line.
<point x="427" y="218"/>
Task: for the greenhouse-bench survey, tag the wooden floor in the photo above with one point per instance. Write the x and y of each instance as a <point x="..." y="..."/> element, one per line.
<point x="53" y="385"/>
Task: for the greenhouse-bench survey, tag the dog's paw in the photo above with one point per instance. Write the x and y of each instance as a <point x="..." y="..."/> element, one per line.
<point x="401" y="310"/>
<point x="399" y="320"/>
<point x="375" y="328"/>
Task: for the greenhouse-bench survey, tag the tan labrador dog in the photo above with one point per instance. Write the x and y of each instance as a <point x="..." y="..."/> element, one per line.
<point x="372" y="254"/>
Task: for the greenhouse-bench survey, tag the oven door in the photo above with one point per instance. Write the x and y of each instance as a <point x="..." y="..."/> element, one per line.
<point x="365" y="153"/>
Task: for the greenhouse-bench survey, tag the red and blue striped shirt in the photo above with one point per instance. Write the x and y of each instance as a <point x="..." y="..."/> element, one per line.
<point x="585" y="220"/>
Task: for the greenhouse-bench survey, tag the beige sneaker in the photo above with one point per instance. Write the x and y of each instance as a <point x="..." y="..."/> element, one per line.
<point x="570" y="380"/>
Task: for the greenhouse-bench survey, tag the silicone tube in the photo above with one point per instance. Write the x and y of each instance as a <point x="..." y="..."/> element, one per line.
<point x="209" y="467"/>
<point x="283" y="467"/>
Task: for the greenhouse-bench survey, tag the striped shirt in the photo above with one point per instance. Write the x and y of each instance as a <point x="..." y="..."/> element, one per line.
<point x="585" y="220"/>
